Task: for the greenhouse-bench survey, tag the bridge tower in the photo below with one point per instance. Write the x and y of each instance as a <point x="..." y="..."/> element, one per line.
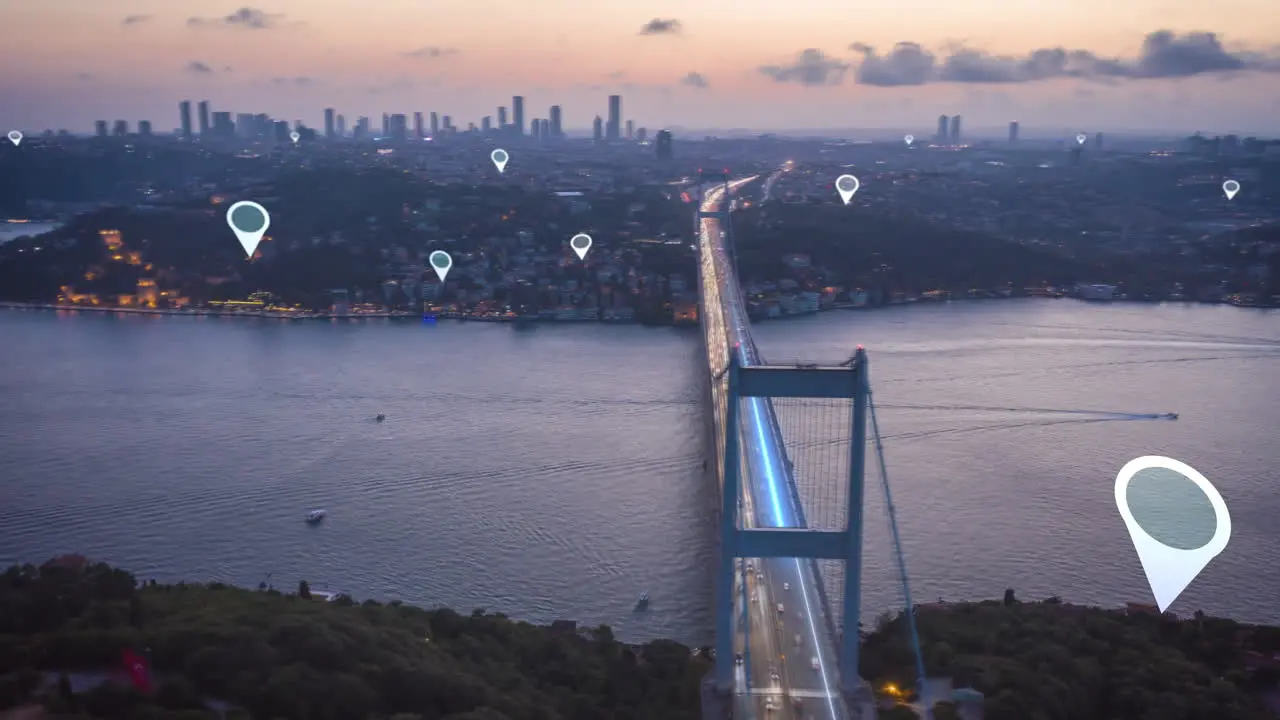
<point x="771" y="381"/>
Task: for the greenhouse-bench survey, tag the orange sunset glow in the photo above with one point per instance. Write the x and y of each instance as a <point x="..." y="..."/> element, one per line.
<point x="802" y="64"/>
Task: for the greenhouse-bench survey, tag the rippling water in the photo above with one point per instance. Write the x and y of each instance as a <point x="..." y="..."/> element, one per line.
<point x="557" y="472"/>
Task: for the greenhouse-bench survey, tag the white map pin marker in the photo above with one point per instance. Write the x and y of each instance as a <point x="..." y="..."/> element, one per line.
<point x="500" y="158"/>
<point x="440" y="262"/>
<point x="846" y="185"/>
<point x="15" y="137"/>
<point x="1081" y="138"/>
<point x="1230" y="187"/>
<point x="249" y="221"/>
<point x="295" y="136"/>
<point x="580" y="243"/>
<point x="1170" y="570"/>
<point x="909" y="139"/>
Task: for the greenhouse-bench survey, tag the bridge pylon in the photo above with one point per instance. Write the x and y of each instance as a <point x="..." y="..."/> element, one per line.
<point x="773" y="381"/>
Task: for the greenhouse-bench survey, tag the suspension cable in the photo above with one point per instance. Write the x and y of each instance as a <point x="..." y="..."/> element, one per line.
<point x="897" y="544"/>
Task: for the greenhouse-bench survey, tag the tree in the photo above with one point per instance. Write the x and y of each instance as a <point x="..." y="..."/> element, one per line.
<point x="1009" y="598"/>
<point x="304" y="590"/>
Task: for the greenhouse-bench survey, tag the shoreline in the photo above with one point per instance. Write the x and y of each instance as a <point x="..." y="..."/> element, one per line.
<point x="532" y="320"/>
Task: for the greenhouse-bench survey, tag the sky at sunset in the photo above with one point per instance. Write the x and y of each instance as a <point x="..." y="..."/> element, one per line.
<point x="1053" y="65"/>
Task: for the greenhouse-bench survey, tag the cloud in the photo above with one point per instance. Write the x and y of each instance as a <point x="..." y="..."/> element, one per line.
<point x="696" y="80"/>
<point x="658" y="26"/>
<point x="1164" y="54"/>
<point x="135" y="19"/>
<point x="84" y="76"/>
<point x="616" y="75"/>
<point x="811" y="67"/>
<point x="199" y="68"/>
<point x="245" y="17"/>
<point x="431" y="52"/>
<point x="299" y="80"/>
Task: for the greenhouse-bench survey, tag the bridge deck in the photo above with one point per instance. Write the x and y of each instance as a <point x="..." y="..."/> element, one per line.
<point x="778" y="600"/>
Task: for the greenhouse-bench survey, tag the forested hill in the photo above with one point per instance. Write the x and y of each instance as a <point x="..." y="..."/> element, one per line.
<point x="269" y="655"/>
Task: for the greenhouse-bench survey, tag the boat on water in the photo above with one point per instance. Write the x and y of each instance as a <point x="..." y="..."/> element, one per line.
<point x="380" y="417"/>
<point x="315" y="516"/>
<point x="643" y="602"/>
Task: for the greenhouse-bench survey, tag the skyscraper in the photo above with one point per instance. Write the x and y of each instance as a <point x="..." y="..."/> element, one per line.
<point x="557" y="131"/>
<point x="631" y="129"/>
<point x="955" y="129"/>
<point x="386" y="124"/>
<point x="100" y="128"/>
<point x="942" y="128"/>
<point x="502" y="118"/>
<point x="597" y="129"/>
<point x="435" y="124"/>
<point x="486" y="124"/>
<point x="329" y="129"/>
<point x="418" y="131"/>
<point x="614" y="128"/>
<point x="1013" y="131"/>
<point x="204" y="117"/>
<point x="144" y="128"/>
<point x="184" y="113"/>
<point x="121" y="127"/>
<point x="341" y="125"/>
<point x="399" y="127"/>
<point x="663" y="142"/>
<point x="517" y="114"/>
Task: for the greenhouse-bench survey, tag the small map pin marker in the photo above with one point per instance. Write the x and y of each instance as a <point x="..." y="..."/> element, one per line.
<point x="580" y="243"/>
<point x="249" y="221"/>
<point x="1230" y="187"/>
<point x="1081" y="138"/>
<point x="846" y="185"/>
<point x="440" y="262"/>
<point x="15" y="137"/>
<point x="909" y="139"/>
<point x="1169" y="569"/>
<point x="295" y="136"/>
<point x="500" y="158"/>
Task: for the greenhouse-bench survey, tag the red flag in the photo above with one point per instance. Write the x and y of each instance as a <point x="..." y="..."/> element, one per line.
<point x="137" y="668"/>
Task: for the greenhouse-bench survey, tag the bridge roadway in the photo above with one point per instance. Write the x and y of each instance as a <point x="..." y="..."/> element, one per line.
<point x="788" y="668"/>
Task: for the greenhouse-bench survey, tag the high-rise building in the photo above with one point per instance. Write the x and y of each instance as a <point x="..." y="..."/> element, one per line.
<point x="1013" y="131"/>
<point x="121" y="127"/>
<point x="399" y="128"/>
<point x="631" y="129"/>
<point x="614" y="128"/>
<point x="100" y="128"/>
<point x="184" y="114"/>
<point x="955" y="129"/>
<point x="204" y="117"/>
<point x="502" y="118"/>
<point x="340" y="124"/>
<point x="361" y="130"/>
<point x="418" y="131"/>
<point x="448" y="124"/>
<point x="663" y="142"/>
<point x="485" y="124"/>
<point x="597" y="129"/>
<point x="517" y="114"/>
<point x="386" y="124"/>
<point x="329" y="129"/>
<point x="223" y="128"/>
<point x="641" y="135"/>
<point x="435" y="124"/>
<point x="280" y="131"/>
<point x="942" y="128"/>
<point x="557" y="130"/>
<point x="144" y="128"/>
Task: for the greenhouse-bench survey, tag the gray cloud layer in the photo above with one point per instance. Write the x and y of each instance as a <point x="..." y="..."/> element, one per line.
<point x="245" y="17"/>
<point x="658" y="26"/>
<point x="199" y="68"/>
<point x="135" y="19"/>
<point x="695" y="80"/>
<point x="1164" y="54"/>
<point x="430" y="52"/>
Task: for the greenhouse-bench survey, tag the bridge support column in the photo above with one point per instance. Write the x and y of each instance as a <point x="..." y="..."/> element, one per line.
<point x="850" y="681"/>
<point x="729" y="510"/>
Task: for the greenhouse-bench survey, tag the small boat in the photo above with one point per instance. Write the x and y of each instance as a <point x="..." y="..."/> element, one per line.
<point x="643" y="602"/>
<point x="380" y="417"/>
<point x="1170" y="416"/>
<point x="315" y="516"/>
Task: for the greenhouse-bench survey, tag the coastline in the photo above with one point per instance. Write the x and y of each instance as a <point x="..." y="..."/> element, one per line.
<point x="462" y="317"/>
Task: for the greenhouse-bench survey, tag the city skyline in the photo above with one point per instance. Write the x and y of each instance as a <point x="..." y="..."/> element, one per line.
<point x="1050" y="64"/>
